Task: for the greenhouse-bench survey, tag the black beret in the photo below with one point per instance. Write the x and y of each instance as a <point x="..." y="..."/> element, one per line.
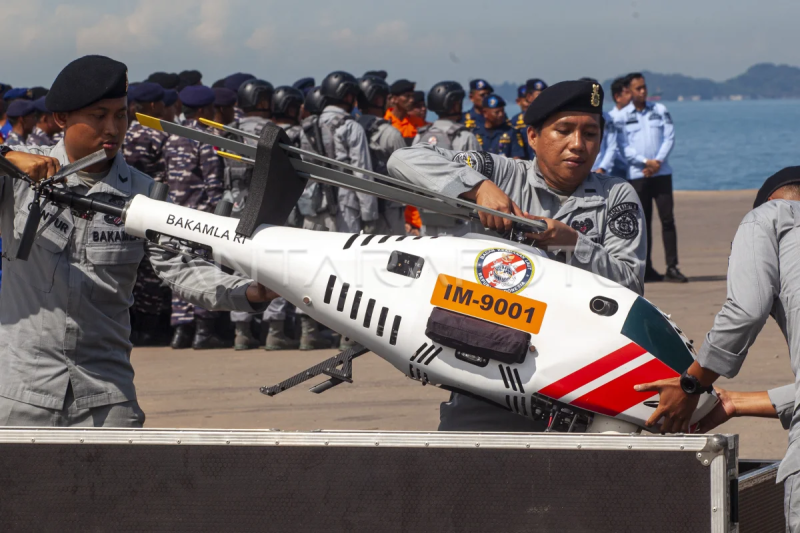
<point x="494" y="101"/>
<point x="190" y="77"/>
<point x="85" y="81"/>
<point x="234" y="81"/>
<point x="304" y="84"/>
<point x="165" y="79"/>
<point x="218" y="83"/>
<point x="37" y="92"/>
<point x="402" y="87"/>
<point x="40" y="105"/>
<point x="787" y="176"/>
<point x="20" y="108"/>
<point x="479" y="85"/>
<point x="419" y="97"/>
<point x="146" y="92"/>
<point x="4" y="88"/>
<point x="382" y="74"/>
<point x="197" y="96"/>
<point x="170" y="97"/>
<point x="583" y="96"/>
<point x="535" y="84"/>
<point x="224" y="97"/>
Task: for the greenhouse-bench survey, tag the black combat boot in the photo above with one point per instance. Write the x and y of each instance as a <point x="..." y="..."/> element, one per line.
<point x="149" y="331"/>
<point x="244" y="337"/>
<point x="205" y="338"/>
<point x="182" y="338"/>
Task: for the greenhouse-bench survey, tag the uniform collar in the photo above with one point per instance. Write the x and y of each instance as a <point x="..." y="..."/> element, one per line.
<point x="630" y="108"/>
<point x="117" y="182"/>
<point x="588" y="193"/>
<point x="334" y="109"/>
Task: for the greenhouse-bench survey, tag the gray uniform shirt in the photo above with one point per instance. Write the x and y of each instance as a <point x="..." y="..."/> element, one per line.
<point x="604" y="210"/>
<point x="763" y="280"/>
<point x="463" y="140"/>
<point x="351" y="146"/>
<point x="64" y="312"/>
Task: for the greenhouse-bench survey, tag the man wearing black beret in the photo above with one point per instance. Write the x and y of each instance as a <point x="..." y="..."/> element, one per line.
<point x="763" y="281"/>
<point x="594" y="222"/>
<point x="64" y="321"/>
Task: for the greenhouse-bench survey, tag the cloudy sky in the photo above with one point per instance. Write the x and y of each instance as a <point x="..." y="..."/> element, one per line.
<point x="424" y="40"/>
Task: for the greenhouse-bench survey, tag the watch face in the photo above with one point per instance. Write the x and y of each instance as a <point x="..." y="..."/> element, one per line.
<point x="689" y="384"/>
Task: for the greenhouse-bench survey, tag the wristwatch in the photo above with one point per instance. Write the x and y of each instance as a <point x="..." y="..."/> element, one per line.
<point x="691" y="385"/>
<point x="4" y="149"/>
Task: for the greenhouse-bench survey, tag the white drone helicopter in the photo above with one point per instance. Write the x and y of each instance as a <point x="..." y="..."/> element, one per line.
<point x="484" y="316"/>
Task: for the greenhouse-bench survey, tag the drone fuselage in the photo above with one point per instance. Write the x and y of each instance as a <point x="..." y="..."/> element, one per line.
<point x="591" y="340"/>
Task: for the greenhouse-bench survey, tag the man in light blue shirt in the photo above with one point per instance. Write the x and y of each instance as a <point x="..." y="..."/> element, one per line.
<point x="622" y="97"/>
<point x="650" y="136"/>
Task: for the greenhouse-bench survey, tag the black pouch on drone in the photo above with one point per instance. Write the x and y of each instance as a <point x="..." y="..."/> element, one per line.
<point x="477" y="337"/>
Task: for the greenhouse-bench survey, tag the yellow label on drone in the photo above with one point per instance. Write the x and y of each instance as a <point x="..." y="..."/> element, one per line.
<point x="487" y="303"/>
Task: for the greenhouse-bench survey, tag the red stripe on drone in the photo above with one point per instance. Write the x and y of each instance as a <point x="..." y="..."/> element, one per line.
<point x="592" y="371"/>
<point x="618" y="395"/>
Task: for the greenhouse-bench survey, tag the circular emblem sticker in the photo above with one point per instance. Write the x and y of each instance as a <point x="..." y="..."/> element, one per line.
<point x="503" y="269"/>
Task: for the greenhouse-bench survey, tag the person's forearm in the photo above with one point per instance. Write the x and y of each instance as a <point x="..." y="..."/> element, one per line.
<point x="705" y="376"/>
<point x="752" y="404"/>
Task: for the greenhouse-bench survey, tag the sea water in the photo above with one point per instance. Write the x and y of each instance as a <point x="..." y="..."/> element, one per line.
<point x="724" y="145"/>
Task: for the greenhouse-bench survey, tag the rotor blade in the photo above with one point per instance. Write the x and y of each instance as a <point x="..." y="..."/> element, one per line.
<point x="354" y="183"/>
<point x="196" y="135"/>
<point x="80" y="164"/>
<point x="250" y="151"/>
<point x="454" y="202"/>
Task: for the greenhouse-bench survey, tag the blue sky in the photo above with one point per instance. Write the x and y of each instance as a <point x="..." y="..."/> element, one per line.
<point x="423" y="40"/>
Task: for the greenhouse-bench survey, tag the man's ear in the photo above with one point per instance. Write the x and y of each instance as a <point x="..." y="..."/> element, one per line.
<point x="61" y="120"/>
<point x="533" y="138"/>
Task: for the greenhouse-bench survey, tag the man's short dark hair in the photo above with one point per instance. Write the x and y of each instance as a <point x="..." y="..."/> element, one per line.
<point x="617" y="86"/>
<point x="633" y="76"/>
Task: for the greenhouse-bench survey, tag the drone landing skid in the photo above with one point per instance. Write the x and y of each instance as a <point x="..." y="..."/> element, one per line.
<point x="329" y="367"/>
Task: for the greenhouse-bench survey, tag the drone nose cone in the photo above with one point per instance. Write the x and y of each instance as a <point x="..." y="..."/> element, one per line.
<point x="652" y="330"/>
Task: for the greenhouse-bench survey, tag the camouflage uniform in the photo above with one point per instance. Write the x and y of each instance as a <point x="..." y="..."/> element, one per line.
<point x="39" y="138"/>
<point x="14" y="139"/>
<point x="57" y="137"/>
<point x="194" y="174"/>
<point x="143" y="150"/>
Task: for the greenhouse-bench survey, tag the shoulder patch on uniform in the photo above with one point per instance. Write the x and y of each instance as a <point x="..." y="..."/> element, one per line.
<point x="623" y="220"/>
<point x="667" y="117"/>
<point x="481" y="162"/>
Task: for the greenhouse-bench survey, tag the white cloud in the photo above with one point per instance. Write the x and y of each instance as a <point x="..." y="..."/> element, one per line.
<point x="262" y="39"/>
<point x="209" y="34"/>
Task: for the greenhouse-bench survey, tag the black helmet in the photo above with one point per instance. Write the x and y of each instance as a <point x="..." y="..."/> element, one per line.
<point x="284" y="97"/>
<point x="370" y="87"/>
<point x="337" y="85"/>
<point x="443" y="95"/>
<point x="250" y="92"/>
<point x="315" y="101"/>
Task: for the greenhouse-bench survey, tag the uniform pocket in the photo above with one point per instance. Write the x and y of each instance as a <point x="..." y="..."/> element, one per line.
<point x="47" y="251"/>
<point x="114" y="268"/>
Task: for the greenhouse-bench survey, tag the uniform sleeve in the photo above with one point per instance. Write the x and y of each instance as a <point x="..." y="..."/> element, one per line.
<point x="611" y="134"/>
<point x="201" y="282"/>
<point x="450" y="172"/>
<point x="621" y="256"/>
<point x="668" y="140"/>
<point x="392" y="140"/>
<point x="782" y="400"/>
<point x="213" y="170"/>
<point x="356" y="144"/>
<point x="7" y="183"/>
<point x="753" y="283"/>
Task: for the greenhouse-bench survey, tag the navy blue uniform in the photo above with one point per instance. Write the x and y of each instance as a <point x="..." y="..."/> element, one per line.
<point x="504" y="140"/>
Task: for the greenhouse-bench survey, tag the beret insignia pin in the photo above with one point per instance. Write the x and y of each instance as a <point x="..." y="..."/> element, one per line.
<point x="595" y="95"/>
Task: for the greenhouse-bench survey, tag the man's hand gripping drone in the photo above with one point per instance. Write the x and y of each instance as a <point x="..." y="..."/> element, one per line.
<point x="484" y="316"/>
